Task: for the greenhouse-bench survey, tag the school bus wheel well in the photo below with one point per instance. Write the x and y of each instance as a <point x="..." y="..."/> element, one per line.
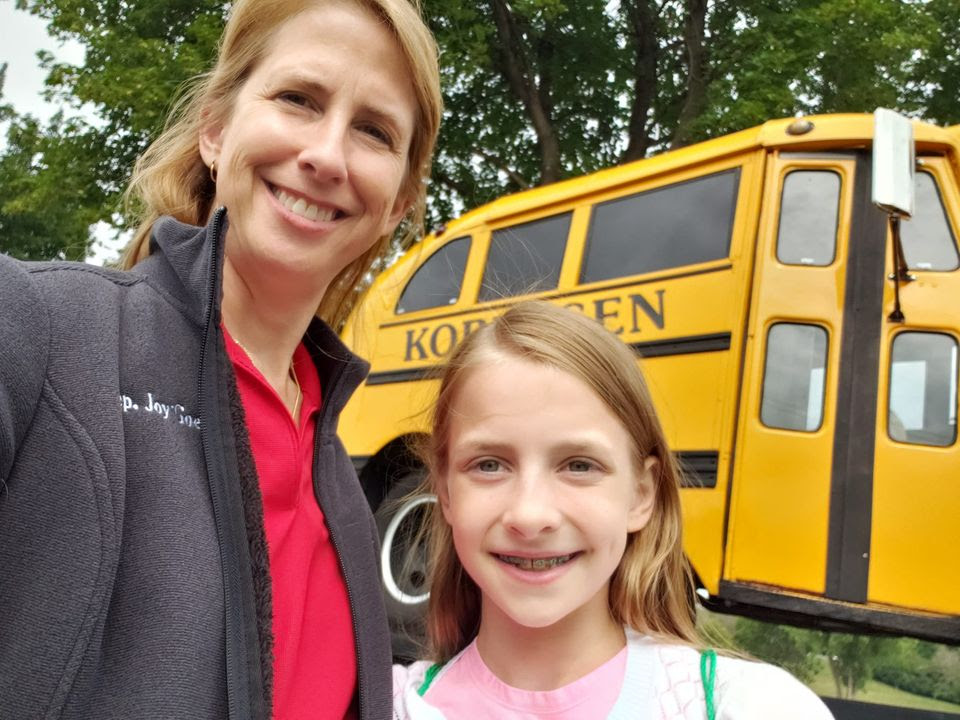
<point x="392" y="462"/>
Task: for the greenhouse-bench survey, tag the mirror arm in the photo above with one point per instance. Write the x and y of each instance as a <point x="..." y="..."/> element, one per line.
<point x="901" y="272"/>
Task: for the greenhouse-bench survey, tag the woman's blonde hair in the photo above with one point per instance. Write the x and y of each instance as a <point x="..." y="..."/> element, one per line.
<point x="171" y="178"/>
<point x="652" y="589"/>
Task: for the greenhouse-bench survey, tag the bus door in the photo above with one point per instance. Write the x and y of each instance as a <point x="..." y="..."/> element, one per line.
<point x="778" y="528"/>
<point x="916" y="490"/>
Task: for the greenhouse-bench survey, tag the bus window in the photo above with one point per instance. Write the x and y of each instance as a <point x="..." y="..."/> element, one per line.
<point x="809" y="210"/>
<point x="923" y="389"/>
<point x="437" y="282"/>
<point x="793" y="380"/>
<point x="928" y="242"/>
<point x="525" y="258"/>
<point x="681" y="224"/>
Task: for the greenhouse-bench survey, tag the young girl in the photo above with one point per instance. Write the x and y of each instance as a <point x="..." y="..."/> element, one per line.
<point x="559" y="588"/>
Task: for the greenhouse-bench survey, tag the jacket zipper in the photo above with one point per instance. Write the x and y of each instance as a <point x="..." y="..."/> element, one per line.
<point x="232" y="698"/>
<point x="336" y="547"/>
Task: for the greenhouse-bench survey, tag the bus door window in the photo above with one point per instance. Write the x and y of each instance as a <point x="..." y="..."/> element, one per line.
<point x="928" y="242"/>
<point x="437" y="282"/>
<point x="525" y="258"/>
<point x="680" y="224"/>
<point x="809" y="213"/>
<point x="923" y="389"/>
<point x="793" y="378"/>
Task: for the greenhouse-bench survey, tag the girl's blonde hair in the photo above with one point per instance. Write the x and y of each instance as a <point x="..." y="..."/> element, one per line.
<point x="170" y="178"/>
<point x="652" y="589"/>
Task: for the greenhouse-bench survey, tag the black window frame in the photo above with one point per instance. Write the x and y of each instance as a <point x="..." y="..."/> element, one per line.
<point x="890" y="388"/>
<point x="823" y="390"/>
<point x="946" y="219"/>
<point x="735" y="171"/>
<point x="836" y="225"/>
<point x="495" y="294"/>
<point x="446" y="247"/>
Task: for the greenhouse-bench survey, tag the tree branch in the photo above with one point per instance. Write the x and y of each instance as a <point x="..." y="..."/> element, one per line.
<point x="441" y="175"/>
<point x="520" y="77"/>
<point x="497" y="162"/>
<point x="641" y="24"/>
<point x="695" y="100"/>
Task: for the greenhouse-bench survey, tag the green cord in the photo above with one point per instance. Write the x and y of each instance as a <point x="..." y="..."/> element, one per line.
<point x="708" y="674"/>
<point x="428" y="678"/>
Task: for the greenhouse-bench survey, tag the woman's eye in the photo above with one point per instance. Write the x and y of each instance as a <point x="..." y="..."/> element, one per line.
<point x="295" y="98"/>
<point x="378" y="133"/>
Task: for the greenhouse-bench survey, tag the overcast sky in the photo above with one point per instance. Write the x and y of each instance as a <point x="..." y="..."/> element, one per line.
<point x="21" y="36"/>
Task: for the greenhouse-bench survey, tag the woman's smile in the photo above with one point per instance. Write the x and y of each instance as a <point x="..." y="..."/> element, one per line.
<point x="314" y="211"/>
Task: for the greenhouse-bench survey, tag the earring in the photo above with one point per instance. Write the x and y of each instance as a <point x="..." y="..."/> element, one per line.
<point x="213" y="172"/>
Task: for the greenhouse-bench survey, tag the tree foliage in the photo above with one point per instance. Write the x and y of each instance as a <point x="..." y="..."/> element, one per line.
<point x="918" y="667"/>
<point x="788" y="647"/>
<point x="535" y="90"/>
<point x="58" y="180"/>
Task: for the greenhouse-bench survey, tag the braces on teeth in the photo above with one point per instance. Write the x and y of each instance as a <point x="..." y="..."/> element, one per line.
<point x="535" y="563"/>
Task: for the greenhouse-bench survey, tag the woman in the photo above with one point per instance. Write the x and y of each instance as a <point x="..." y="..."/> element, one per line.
<point x="181" y="533"/>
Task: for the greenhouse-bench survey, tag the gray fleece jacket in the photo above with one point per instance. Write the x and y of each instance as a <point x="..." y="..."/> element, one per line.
<point x="133" y="568"/>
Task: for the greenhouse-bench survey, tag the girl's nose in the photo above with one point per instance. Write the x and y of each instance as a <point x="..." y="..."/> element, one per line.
<point x="324" y="153"/>
<point x="533" y="509"/>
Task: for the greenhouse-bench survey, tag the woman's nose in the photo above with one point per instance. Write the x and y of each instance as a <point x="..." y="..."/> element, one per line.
<point x="533" y="508"/>
<point x="324" y="154"/>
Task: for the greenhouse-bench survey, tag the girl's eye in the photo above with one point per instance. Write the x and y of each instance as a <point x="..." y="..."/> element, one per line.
<point x="580" y="466"/>
<point x="488" y="466"/>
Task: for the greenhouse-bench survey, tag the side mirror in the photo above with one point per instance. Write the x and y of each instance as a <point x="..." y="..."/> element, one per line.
<point x="894" y="161"/>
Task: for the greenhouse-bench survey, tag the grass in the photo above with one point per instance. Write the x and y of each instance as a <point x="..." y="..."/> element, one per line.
<point x="719" y="631"/>
<point x="877" y="692"/>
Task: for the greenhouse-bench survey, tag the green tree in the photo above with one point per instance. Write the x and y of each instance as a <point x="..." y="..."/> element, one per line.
<point x="46" y="193"/>
<point x="535" y="90"/>
<point x="57" y="180"/>
<point x="539" y="90"/>
<point x="790" y="648"/>
<point x="853" y="658"/>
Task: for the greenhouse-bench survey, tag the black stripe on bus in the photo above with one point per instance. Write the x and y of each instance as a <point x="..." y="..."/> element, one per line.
<point x="684" y="345"/>
<point x="851" y="480"/>
<point x="777" y="606"/>
<point x="654" y="348"/>
<point x="507" y="302"/>
<point x="856" y="710"/>
<point x="430" y="372"/>
<point x="699" y="467"/>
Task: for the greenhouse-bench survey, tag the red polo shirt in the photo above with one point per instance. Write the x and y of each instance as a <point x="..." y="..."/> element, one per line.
<point x="315" y="666"/>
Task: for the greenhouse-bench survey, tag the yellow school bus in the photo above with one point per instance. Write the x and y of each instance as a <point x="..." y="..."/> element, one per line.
<point x="757" y="281"/>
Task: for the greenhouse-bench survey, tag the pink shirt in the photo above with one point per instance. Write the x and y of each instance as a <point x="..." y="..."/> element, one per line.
<point x="314" y="668"/>
<point x="469" y="690"/>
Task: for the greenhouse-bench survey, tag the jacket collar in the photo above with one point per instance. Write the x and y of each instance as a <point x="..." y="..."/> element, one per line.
<point x="187" y="261"/>
<point x="341" y="372"/>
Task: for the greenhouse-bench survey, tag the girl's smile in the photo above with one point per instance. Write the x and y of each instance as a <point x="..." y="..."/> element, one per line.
<point x="537" y="571"/>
